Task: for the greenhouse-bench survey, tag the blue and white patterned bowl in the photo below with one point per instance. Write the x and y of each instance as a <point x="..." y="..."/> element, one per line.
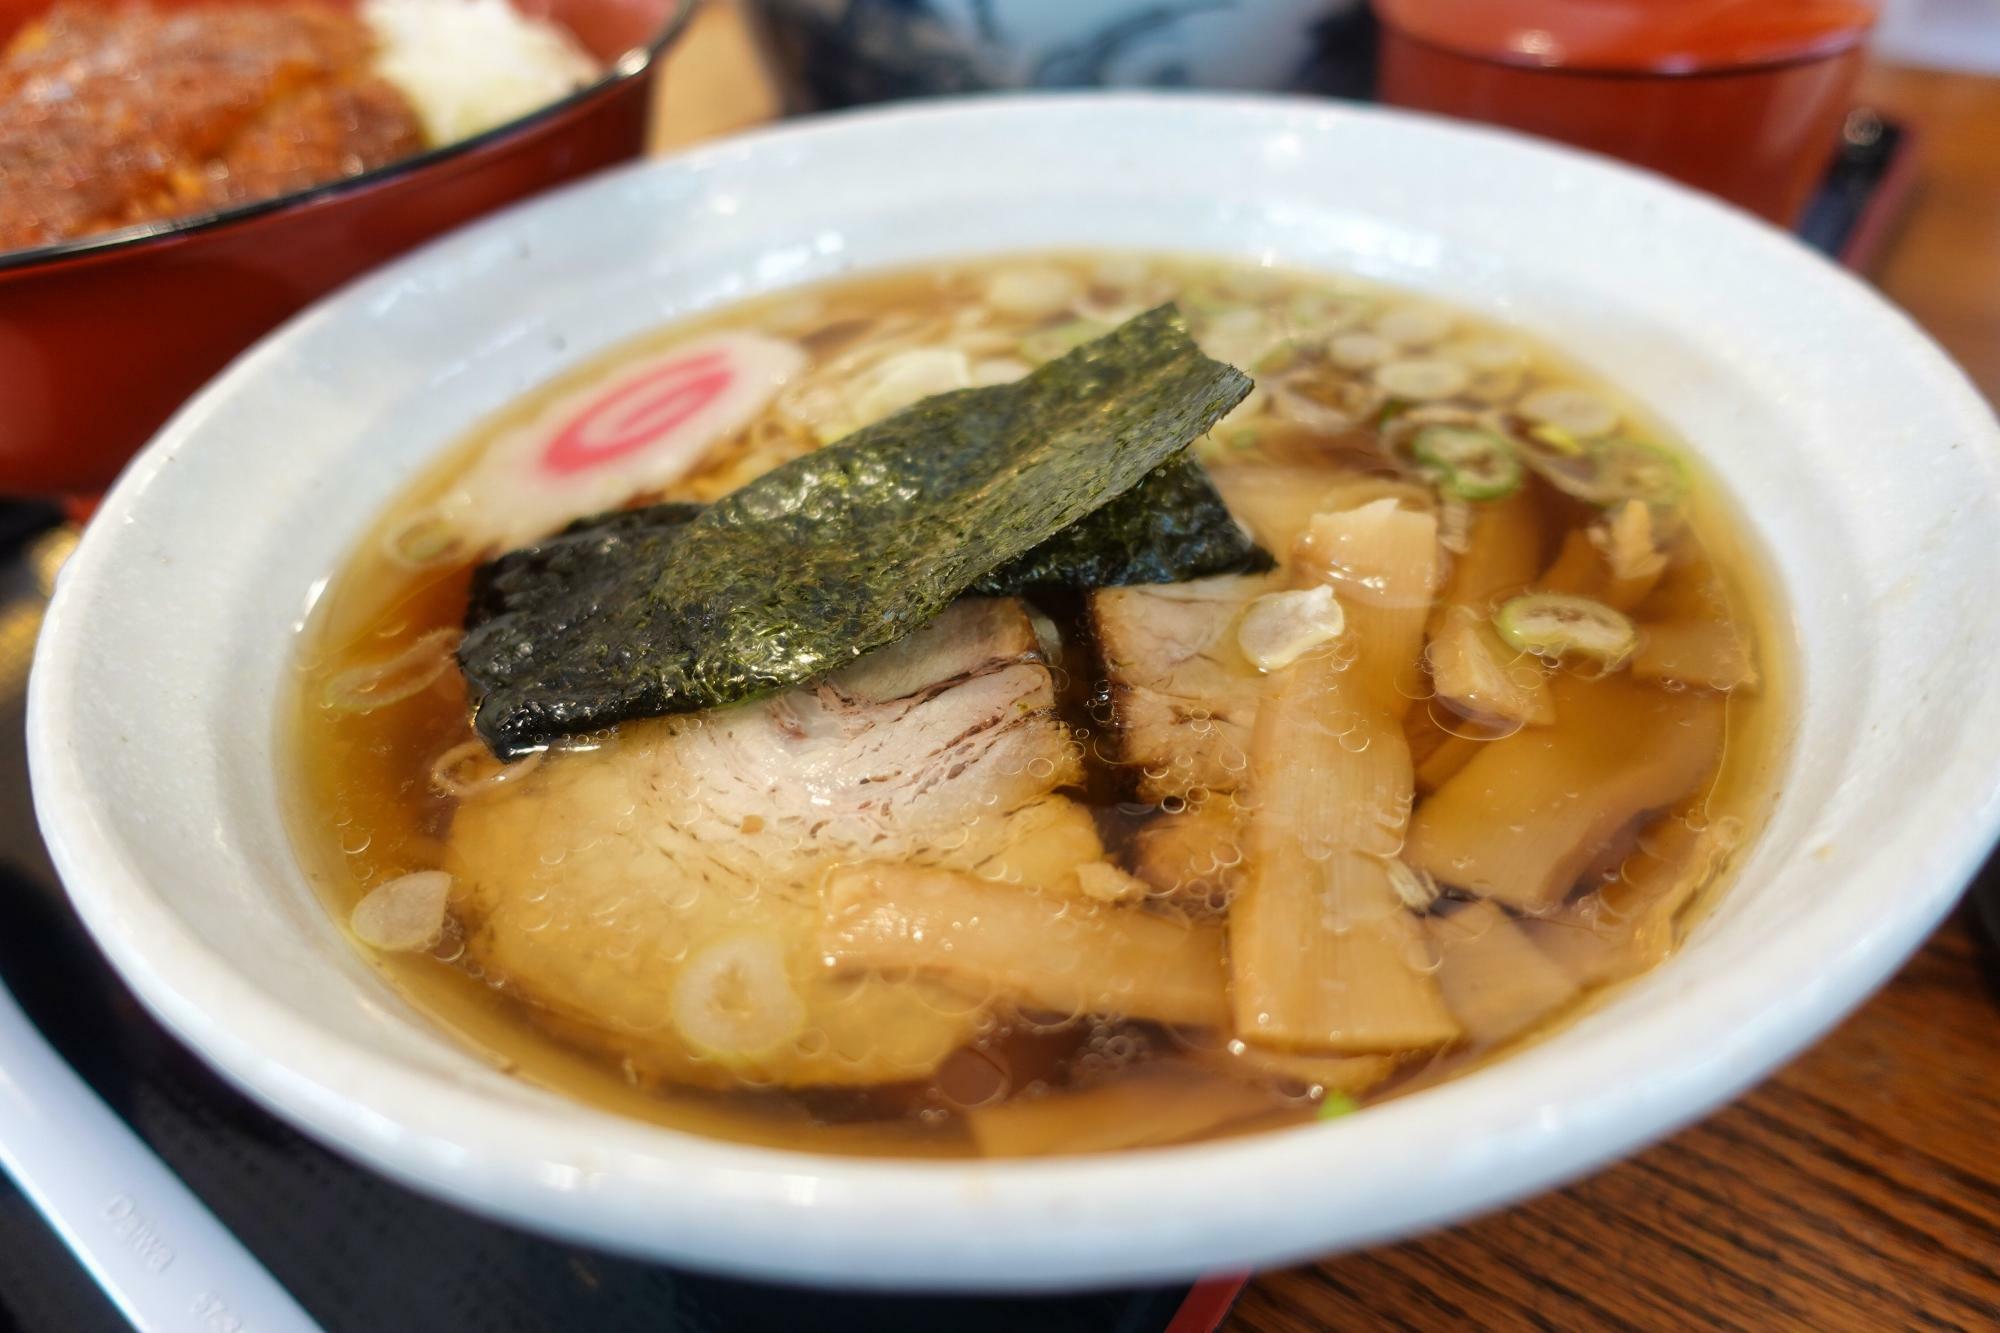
<point x="846" y="52"/>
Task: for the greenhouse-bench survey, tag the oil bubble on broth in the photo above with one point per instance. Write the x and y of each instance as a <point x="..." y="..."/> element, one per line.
<point x="1471" y="734"/>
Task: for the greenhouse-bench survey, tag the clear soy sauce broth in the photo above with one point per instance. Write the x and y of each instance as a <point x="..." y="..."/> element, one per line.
<point x="568" y="945"/>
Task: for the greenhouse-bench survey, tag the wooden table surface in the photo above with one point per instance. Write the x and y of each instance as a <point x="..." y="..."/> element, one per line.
<point x="1860" y="1187"/>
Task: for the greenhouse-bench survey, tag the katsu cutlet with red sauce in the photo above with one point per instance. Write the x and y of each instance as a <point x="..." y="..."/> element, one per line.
<point x="122" y="115"/>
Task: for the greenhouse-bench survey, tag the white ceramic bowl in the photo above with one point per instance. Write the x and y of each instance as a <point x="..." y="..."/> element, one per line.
<point x="1867" y="463"/>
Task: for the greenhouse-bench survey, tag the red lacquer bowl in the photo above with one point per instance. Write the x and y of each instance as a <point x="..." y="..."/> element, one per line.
<point x="101" y="338"/>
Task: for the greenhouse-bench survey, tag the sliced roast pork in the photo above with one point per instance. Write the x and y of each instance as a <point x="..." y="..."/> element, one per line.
<point x="662" y="893"/>
<point x="1183" y="696"/>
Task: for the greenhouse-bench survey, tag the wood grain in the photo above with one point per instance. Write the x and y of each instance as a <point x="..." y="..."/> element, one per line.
<point x="1858" y="1189"/>
<point x="1855" y="1190"/>
<point x="1943" y="262"/>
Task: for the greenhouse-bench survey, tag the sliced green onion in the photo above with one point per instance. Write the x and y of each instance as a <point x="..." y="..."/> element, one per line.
<point x="1635" y="470"/>
<point x="1553" y="624"/>
<point x="1319" y="311"/>
<point x="1281" y="627"/>
<point x="734" y="999"/>
<point x="1359" y="351"/>
<point x="1577" y="411"/>
<point x="404" y="915"/>
<point x="1281" y="357"/>
<point x="423" y="540"/>
<point x="1472" y="464"/>
<point x="1606" y="473"/>
<point x="1556" y="438"/>
<point x="1031" y="291"/>
<point x="1418" y="890"/>
<point x="1252" y="284"/>
<point x="1424" y="378"/>
<point x="1484" y="355"/>
<point x="1048" y="344"/>
<point x="1207" y="298"/>
<point x="364" y="689"/>
<point x="1413" y="325"/>
<point x="1333" y="1105"/>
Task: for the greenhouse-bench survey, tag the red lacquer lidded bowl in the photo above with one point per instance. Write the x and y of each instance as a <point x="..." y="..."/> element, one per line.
<point x="103" y="336"/>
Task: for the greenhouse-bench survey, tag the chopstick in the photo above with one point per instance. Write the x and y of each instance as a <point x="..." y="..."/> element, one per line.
<point x="151" y="1245"/>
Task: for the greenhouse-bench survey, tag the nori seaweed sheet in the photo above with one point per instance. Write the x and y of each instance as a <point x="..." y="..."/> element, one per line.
<point x="832" y="554"/>
<point x="500" y="584"/>
<point x="1171" y="527"/>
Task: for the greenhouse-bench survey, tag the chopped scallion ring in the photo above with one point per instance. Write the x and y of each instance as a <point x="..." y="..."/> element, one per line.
<point x="1635" y="470"/>
<point x="1471" y="464"/>
<point x="1551" y="624"/>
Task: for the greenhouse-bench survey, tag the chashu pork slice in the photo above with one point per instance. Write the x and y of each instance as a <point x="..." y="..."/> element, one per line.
<point x="1183" y="696"/>
<point x="658" y="895"/>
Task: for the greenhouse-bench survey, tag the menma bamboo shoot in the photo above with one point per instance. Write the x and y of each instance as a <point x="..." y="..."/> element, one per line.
<point x="1529" y="814"/>
<point x="1324" y="957"/>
